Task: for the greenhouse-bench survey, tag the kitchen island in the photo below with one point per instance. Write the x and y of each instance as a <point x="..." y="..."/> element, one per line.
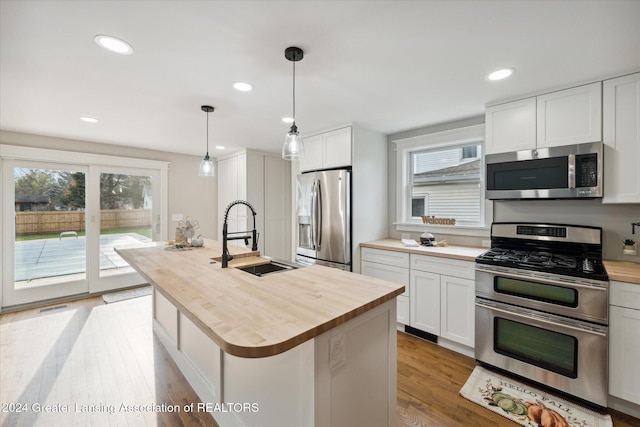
<point x="313" y="346"/>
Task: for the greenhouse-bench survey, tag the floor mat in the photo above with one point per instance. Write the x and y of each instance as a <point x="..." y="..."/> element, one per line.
<point x="128" y="294"/>
<point x="527" y="405"/>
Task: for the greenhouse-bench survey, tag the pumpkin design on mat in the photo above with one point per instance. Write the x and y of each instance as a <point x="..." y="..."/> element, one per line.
<point x="544" y="416"/>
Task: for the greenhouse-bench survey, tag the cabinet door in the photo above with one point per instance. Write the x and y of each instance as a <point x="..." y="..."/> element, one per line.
<point x="624" y="353"/>
<point x="393" y="274"/>
<point x="403" y="310"/>
<point x="571" y="116"/>
<point x="457" y="320"/>
<point x="312" y="159"/>
<point x="511" y="126"/>
<point x="387" y="272"/>
<point x="621" y="137"/>
<point x="425" y="301"/>
<point x="337" y="148"/>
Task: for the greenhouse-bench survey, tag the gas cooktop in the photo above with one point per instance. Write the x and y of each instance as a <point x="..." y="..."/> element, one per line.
<point x="569" y="250"/>
<point x="561" y="264"/>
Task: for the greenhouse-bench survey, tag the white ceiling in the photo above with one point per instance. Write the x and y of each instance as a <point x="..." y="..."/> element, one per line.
<point x="390" y="66"/>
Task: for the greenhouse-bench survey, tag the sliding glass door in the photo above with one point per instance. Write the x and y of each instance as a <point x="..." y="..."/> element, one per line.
<point x="61" y="223"/>
<point x="44" y="231"/>
<point x="126" y="214"/>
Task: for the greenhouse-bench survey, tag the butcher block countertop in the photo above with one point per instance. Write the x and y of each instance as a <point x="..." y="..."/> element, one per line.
<point x="623" y="271"/>
<point x="250" y="316"/>
<point x="466" y="253"/>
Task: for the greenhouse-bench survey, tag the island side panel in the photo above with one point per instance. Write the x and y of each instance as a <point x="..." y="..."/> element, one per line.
<point x="273" y="391"/>
<point x="356" y="371"/>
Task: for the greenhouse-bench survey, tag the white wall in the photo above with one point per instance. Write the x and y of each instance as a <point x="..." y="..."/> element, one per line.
<point x="189" y="194"/>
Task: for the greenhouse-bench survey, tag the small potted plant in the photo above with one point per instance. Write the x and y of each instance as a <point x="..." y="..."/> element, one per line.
<point x="629" y="247"/>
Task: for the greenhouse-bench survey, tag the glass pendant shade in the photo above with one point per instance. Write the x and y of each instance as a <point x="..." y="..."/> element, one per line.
<point x="293" y="147"/>
<point x="206" y="166"/>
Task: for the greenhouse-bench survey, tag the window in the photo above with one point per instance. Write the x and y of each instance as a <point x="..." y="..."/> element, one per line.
<point x="449" y="178"/>
<point x="418" y="206"/>
<point x="440" y="179"/>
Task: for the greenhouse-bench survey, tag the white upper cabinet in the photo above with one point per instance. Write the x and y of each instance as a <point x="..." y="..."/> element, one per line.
<point x="565" y="117"/>
<point x="312" y="159"/>
<point x="621" y="137"/>
<point x="328" y="150"/>
<point x="571" y="116"/>
<point x="511" y="126"/>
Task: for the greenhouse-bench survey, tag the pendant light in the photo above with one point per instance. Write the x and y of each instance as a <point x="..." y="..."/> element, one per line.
<point x="293" y="148"/>
<point x="206" y="165"/>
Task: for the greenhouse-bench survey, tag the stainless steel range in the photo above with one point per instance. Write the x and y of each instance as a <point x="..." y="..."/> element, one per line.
<point x="542" y="307"/>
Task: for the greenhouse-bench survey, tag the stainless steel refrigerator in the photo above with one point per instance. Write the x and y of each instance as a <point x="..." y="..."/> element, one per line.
<point x="324" y="218"/>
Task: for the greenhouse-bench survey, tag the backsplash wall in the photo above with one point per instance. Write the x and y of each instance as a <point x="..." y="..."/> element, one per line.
<point x="615" y="220"/>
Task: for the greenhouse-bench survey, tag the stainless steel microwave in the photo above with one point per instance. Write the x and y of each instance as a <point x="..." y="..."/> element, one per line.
<point x="567" y="172"/>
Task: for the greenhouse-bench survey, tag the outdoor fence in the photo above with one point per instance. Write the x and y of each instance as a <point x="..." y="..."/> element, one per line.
<point x="58" y="221"/>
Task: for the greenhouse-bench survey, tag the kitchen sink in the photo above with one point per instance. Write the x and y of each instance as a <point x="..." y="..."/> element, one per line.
<point x="270" y="268"/>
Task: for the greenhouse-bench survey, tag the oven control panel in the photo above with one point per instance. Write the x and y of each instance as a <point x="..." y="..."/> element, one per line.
<point x="536" y="230"/>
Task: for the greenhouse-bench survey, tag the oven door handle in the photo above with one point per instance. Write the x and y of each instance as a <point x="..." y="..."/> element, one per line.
<point x="531" y="315"/>
<point x="542" y="279"/>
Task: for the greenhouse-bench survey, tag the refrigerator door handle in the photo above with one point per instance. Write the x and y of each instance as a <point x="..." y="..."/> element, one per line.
<point x="314" y="219"/>
<point x="319" y="215"/>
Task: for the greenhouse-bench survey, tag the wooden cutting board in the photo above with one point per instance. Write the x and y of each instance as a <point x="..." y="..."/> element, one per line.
<point x="248" y="261"/>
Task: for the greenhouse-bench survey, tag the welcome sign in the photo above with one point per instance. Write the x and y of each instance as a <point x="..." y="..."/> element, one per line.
<point x="438" y="221"/>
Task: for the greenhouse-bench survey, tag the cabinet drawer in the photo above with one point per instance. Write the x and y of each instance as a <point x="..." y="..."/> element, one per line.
<point x="624" y="294"/>
<point x="446" y="266"/>
<point x="398" y="259"/>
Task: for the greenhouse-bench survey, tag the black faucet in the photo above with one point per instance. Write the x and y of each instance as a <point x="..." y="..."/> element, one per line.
<point x="633" y="227"/>
<point x="226" y="257"/>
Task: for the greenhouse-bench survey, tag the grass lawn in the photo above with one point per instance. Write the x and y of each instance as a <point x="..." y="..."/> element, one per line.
<point x="145" y="231"/>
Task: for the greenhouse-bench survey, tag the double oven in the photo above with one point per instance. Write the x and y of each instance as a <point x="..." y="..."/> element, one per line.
<point x="542" y="307"/>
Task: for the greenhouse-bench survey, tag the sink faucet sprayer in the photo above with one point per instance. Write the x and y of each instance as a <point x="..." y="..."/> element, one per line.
<point x="226" y="257"/>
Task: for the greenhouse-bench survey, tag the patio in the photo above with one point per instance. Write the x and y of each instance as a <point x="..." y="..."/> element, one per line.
<point x="43" y="258"/>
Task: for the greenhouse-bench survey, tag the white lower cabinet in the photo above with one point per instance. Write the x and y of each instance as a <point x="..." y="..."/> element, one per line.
<point x="439" y="295"/>
<point x="425" y="301"/>
<point x="443" y="298"/>
<point x="457" y="309"/>
<point x="624" y="341"/>
<point x="391" y="266"/>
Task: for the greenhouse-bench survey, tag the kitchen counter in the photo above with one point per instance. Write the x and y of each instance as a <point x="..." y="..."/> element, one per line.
<point x="250" y="316"/>
<point x="465" y="253"/>
<point x="308" y="346"/>
<point x="623" y="271"/>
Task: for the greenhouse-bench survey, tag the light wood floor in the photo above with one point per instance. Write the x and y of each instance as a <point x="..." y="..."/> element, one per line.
<point x="91" y="353"/>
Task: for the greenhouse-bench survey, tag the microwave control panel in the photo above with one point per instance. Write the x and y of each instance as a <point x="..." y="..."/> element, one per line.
<point x="587" y="170"/>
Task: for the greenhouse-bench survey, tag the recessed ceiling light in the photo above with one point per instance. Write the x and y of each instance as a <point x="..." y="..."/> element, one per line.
<point x="114" y="44"/>
<point x="89" y="119"/>
<point x="242" y="86"/>
<point x="219" y="147"/>
<point x="500" y="74"/>
<point x="288" y="119"/>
